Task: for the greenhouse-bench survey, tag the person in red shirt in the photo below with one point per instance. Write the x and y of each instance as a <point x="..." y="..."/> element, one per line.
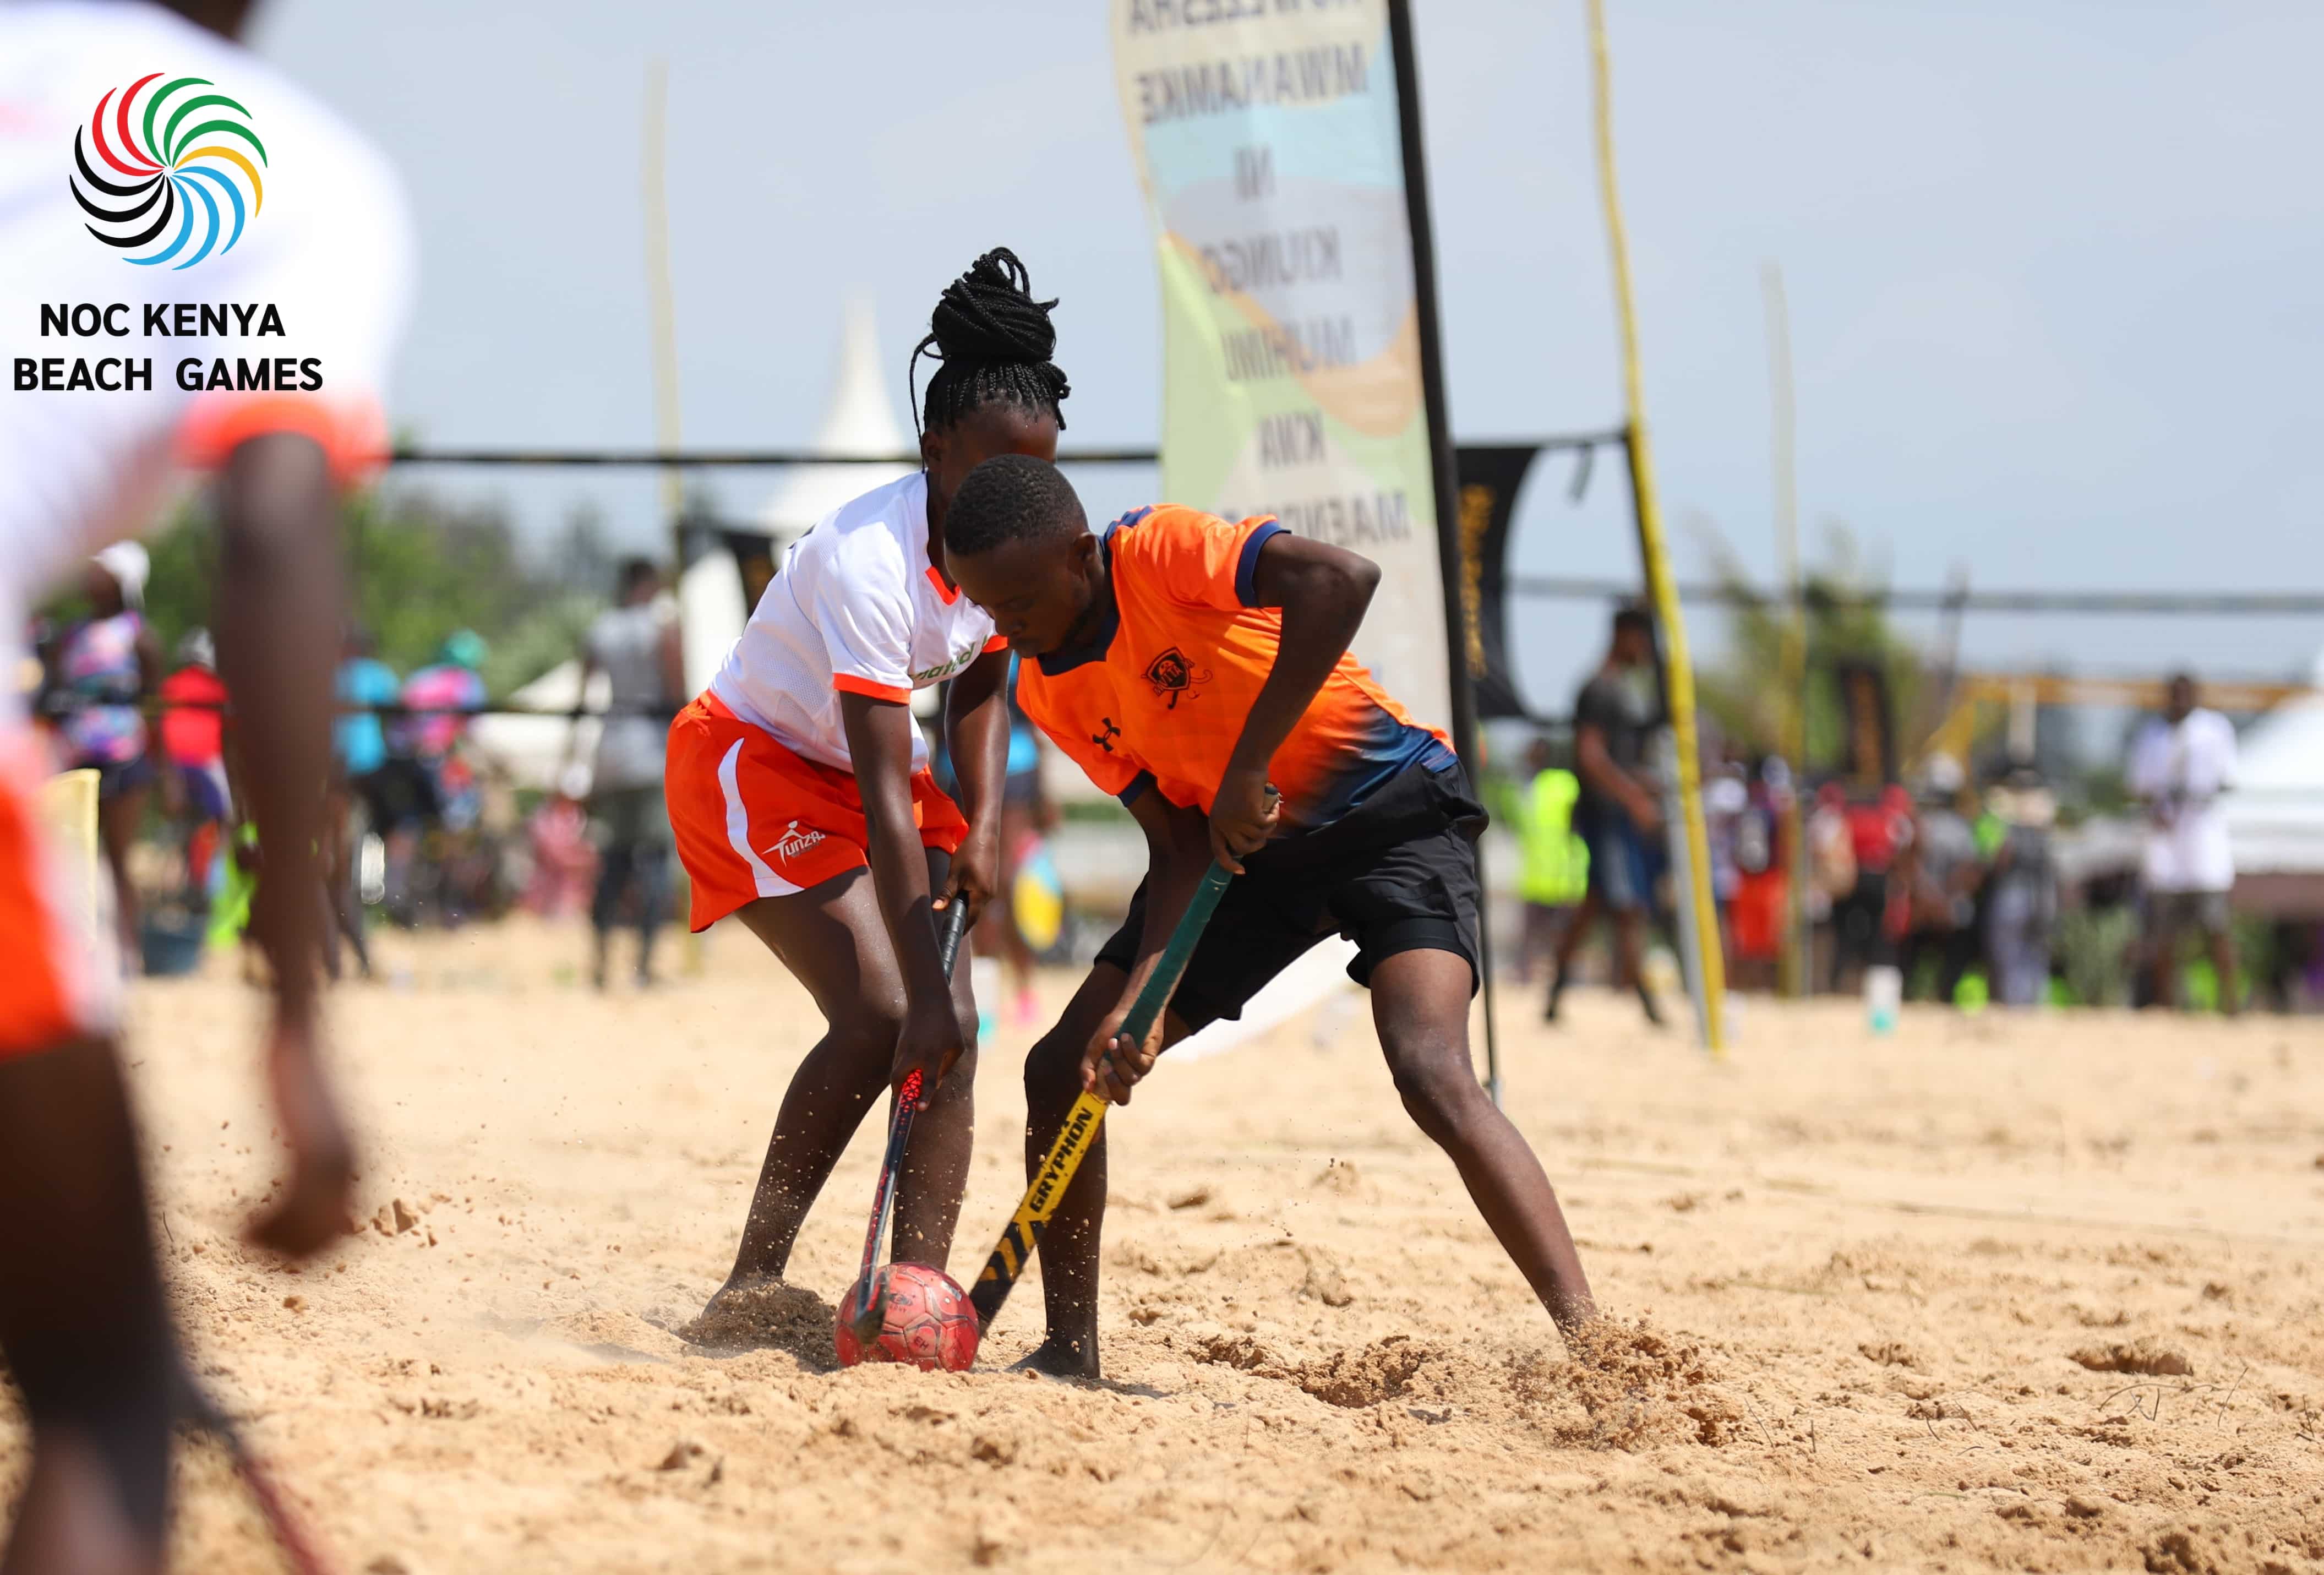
<point x="1199" y="670"/>
<point x="193" y="740"/>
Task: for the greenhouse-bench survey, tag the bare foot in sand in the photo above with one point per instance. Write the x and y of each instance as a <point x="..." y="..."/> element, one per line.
<point x="1058" y="1359"/>
<point x="762" y="1310"/>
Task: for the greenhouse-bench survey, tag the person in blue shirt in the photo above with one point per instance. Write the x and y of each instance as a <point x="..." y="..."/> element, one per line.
<point x="359" y="737"/>
<point x="360" y="758"/>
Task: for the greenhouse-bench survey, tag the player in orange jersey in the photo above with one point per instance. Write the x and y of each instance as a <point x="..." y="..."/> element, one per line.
<point x="1199" y="670"/>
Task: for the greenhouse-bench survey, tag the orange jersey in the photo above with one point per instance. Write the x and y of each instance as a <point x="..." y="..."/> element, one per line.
<point x="1160" y="696"/>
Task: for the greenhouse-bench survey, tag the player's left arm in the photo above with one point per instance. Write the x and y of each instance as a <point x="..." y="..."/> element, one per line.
<point x="976" y="733"/>
<point x="1323" y="591"/>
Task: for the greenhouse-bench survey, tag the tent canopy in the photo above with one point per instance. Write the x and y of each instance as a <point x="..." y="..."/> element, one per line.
<point x="2275" y="815"/>
<point x="858" y="418"/>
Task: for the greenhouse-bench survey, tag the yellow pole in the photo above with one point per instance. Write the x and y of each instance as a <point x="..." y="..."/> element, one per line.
<point x="1712" y="960"/>
<point x="1795" y="961"/>
<point x="663" y="313"/>
<point x="657" y="290"/>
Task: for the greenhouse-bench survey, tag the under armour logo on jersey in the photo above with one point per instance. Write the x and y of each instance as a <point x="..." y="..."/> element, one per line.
<point x="1104" y="741"/>
<point x="1172" y="674"/>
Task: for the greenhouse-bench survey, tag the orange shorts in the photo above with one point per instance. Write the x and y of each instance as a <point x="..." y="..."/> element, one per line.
<point x="49" y="977"/>
<point x="753" y="819"/>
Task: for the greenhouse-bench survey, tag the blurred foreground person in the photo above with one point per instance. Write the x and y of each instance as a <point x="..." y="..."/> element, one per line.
<point x="83" y="1324"/>
<point x="635" y="645"/>
<point x="2181" y="762"/>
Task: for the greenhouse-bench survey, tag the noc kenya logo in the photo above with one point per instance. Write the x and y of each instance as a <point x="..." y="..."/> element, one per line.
<point x="178" y="172"/>
<point x="1172" y="674"/>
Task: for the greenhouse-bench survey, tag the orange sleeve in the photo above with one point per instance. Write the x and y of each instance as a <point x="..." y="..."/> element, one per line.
<point x="998" y="642"/>
<point x="849" y="684"/>
<point x="1198" y="559"/>
<point x="353" y="437"/>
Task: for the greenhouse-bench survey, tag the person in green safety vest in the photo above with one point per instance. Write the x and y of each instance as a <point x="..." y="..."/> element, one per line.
<point x="1554" y="867"/>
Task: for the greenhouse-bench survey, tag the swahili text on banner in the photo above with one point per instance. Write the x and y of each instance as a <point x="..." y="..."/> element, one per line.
<point x="1266" y="139"/>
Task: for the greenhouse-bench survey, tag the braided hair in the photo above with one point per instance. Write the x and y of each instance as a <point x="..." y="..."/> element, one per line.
<point x="991" y="342"/>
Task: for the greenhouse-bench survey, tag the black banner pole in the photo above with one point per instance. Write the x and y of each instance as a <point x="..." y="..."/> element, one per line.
<point x="1446" y="479"/>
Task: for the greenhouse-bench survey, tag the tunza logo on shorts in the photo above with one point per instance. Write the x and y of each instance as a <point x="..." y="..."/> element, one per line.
<point x="793" y="842"/>
<point x="176" y="174"/>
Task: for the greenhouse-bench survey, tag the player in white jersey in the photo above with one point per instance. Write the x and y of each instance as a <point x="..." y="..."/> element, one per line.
<point x="801" y="768"/>
<point x="151" y="168"/>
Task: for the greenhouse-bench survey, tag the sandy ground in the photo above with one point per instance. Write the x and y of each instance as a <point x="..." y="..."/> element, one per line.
<point x="2031" y="1293"/>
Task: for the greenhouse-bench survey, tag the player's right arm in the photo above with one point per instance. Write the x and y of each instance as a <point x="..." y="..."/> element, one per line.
<point x="282" y="604"/>
<point x="1178" y="854"/>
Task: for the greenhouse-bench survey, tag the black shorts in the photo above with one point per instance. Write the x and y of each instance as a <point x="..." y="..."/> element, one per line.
<point x="122" y="776"/>
<point x="1396" y="873"/>
<point x="397" y="795"/>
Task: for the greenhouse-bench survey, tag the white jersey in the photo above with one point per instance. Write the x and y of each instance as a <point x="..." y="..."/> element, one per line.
<point x="2181" y="769"/>
<point x="298" y="215"/>
<point x="857" y="606"/>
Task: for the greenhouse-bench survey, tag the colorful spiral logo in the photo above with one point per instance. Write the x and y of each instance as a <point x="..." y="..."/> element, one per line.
<point x="187" y="157"/>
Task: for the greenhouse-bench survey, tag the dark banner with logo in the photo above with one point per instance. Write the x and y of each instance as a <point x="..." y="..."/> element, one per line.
<point x="1489" y="477"/>
<point x="754" y="555"/>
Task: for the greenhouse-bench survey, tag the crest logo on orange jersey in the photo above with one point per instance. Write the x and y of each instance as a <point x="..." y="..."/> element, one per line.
<point x="1173" y="675"/>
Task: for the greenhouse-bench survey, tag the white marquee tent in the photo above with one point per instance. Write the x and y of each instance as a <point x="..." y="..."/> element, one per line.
<point x="2275" y="815"/>
<point x="858" y="418"/>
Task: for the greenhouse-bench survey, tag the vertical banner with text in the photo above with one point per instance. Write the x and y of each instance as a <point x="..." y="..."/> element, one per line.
<point x="1268" y="141"/>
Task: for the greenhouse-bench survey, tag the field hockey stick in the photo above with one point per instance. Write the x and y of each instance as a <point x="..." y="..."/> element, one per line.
<point x="289" y="1533"/>
<point x="1025" y="1228"/>
<point x="870" y="1308"/>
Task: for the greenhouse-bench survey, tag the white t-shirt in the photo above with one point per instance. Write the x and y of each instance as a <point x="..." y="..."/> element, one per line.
<point x="855" y="606"/>
<point x="627" y="641"/>
<point x="2182" y="769"/>
<point x="327" y="244"/>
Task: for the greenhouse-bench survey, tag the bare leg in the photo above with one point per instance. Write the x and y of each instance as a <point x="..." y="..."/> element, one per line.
<point x="1420" y="1005"/>
<point x="2164" y="964"/>
<point x="651" y="872"/>
<point x="1577" y="930"/>
<point x="2223" y="966"/>
<point x="834" y="939"/>
<point x="117" y="820"/>
<point x="82" y="1322"/>
<point x="1629" y="954"/>
<point x="614" y="872"/>
<point x="1069" y="1247"/>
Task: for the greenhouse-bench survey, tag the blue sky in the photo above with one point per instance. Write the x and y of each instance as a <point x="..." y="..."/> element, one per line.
<point x="2053" y="270"/>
